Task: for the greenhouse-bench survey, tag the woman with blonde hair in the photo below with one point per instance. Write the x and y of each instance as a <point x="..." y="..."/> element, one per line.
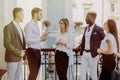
<point x="64" y="46"/>
<point x="109" y="46"/>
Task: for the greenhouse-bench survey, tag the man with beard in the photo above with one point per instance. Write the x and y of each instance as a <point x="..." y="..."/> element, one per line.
<point x="33" y="42"/>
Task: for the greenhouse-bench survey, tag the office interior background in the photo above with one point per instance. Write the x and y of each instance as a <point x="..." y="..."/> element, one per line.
<point x="54" y="10"/>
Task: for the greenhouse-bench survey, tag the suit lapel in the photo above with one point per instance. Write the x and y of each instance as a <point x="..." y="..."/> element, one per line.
<point x="16" y="31"/>
<point x="94" y="29"/>
<point x="23" y="40"/>
<point x="85" y="31"/>
<point x="83" y="39"/>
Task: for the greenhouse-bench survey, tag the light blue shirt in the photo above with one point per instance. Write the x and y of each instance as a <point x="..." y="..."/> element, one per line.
<point x="32" y="35"/>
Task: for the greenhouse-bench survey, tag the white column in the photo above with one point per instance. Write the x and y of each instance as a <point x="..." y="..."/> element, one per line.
<point x="44" y="9"/>
<point x="6" y="8"/>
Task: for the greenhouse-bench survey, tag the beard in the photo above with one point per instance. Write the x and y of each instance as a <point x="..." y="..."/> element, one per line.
<point x="38" y="18"/>
<point x="21" y="20"/>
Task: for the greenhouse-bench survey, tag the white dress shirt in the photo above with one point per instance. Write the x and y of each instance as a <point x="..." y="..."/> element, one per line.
<point x="32" y="35"/>
<point x="69" y="40"/>
<point x="104" y="44"/>
<point x="19" y="30"/>
<point x="88" y="36"/>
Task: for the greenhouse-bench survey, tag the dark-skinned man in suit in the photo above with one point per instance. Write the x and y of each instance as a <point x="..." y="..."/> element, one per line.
<point x="91" y="41"/>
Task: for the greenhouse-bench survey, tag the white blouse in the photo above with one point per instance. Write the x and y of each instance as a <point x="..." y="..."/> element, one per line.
<point x="104" y="44"/>
<point x="68" y="38"/>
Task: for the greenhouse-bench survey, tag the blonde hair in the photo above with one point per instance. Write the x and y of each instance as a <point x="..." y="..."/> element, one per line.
<point x="35" y="10"/>
<point x="66" y="23"/>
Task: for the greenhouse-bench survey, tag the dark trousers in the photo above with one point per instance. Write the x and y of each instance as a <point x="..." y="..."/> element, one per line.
<point x="61" y="63"/>
<point x="34" y="60"/>
<point x="105" y="75"/>
<point x="108" y="66"/>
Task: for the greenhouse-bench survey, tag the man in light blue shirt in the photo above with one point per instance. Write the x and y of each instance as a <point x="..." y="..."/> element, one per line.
<point x="33" y="42"/>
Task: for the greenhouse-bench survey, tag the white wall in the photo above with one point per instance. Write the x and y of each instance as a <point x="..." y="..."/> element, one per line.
<point x="97" y="6"/>
<point x="1" y="34"/>
<point x="116" y="13"/>
<point x="6" y="7"/>
<point x="94" y="5"/>
<point x="27" y="5"/>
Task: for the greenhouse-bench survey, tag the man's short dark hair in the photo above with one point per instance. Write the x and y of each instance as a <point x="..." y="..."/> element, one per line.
<point x="92" y="14"/>
<point x="16" y="10"/>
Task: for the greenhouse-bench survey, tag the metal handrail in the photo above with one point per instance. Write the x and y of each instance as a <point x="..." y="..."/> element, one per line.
<point x="45" y="53"/>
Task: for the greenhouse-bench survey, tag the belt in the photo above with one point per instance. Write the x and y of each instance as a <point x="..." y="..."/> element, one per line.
<point x="60" y="51"/>
<point x="87" y="50"/>
<point x="33" y="49"/>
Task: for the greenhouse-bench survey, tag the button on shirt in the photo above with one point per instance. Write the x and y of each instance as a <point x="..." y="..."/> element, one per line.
<point x="32" y="35"/>
<point x="88" y="36"/>
<point x="19" y="30"/>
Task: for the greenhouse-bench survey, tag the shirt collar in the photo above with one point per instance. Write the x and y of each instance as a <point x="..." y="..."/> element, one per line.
<point x="33" y="22"/>
<point x="91" y="27"/>
<point x="15" y="23"/>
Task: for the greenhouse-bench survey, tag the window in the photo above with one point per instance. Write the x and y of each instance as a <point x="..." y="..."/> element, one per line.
<point x="112" y="7"/>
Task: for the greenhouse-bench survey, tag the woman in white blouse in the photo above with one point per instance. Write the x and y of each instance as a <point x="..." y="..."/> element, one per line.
<point x="109" y="46"/>
<point x="64" y="46"/>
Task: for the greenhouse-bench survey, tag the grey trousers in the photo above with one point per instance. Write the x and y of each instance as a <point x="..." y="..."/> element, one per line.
<point x="14" y="70"/>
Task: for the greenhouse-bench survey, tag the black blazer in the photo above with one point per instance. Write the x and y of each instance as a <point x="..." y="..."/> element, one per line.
<point x="12" y="43"/>
<point x="97" y="36"/>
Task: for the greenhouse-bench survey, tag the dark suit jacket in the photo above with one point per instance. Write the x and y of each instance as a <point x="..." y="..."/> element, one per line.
<point x="97" y="36"/>
<point x="12" y="43"/>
